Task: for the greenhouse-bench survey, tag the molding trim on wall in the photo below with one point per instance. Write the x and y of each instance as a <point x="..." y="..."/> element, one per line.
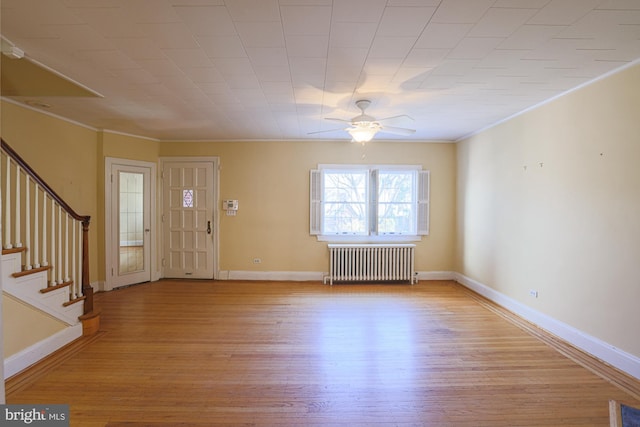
<point x="47" y="113"/>
<point x="436" y="275"/>
<point x="36" y="352"/>
<point x="115" y="132"/>
<point x="302" y="276"/>
<point x="101" y="286"/>
<point x="597" y="348"/>
<point x="297" y="276"/>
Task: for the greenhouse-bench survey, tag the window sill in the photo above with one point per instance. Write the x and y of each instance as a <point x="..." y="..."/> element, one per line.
<point x="335" y="238"/>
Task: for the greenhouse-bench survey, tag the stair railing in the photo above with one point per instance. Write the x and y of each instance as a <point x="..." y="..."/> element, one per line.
<point x="56" y="238"/>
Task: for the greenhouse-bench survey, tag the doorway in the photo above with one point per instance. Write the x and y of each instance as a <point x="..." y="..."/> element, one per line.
<point x="129" y="226"/>
<point x="189" y="223"/>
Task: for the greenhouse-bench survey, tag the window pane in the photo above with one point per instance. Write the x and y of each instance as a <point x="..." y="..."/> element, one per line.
<point x="131" y="225"/>
<point x="345" y="202"/>
<point x="187" y="198"/>
<point x="396" y="202"/>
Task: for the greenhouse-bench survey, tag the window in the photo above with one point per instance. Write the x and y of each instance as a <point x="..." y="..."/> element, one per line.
<point x="187" y="198"/>
<point x="371" y="202"/>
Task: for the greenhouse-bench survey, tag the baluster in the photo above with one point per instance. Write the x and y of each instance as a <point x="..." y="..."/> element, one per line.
<point x="36" y="227"/>
<point x="18" y="197"/>
<point x="44" y="229"/>
<point x="7" y="207"/>
<point x="53" y="244"/>
<point x="66" y="247"/>
<point x="79" y="276"/>
<point x="59" y="257"/>
<point x="27" y="219"/>
<point x="73" y="260"/>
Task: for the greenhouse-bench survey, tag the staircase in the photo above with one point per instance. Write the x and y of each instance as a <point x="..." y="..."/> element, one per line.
<point x="45" y="259"/>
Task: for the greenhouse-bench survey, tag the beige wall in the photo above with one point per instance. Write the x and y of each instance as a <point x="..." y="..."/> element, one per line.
<point x="70" y="158"/>
<point x="270" y="179"/>
<point x="546" y="201"/>
<point x="63" y="154"/>
<point x="122" y="147"/>
<point x="271" y="182"/>
<point x="127" y="147"/>
<point x="550" y="201"/>
<point x="25" y="326"/>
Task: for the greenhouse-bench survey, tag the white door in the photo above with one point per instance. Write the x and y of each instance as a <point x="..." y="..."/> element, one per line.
<point x="188" y="222"/>
<point x="130" y="224"/>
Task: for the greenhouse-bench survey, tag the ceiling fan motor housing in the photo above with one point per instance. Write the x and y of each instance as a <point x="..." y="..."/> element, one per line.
<point x="363" y="104"/>
<point x="363" y="119"/>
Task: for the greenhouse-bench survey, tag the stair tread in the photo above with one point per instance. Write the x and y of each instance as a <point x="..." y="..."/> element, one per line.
<point x="55" y="287"/>
<point x="73" y="301"/>
<point x="13" y="250"/>
<point x="32" y="271"/>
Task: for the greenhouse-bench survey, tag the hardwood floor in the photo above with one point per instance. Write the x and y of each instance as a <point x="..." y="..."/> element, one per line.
<point x="204" y="353"/>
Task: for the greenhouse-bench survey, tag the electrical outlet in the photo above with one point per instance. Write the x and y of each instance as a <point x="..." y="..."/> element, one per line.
<point x="257" y="260"/>
<point x="533" y="293"/>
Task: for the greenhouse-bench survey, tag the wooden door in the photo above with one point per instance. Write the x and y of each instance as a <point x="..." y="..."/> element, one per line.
<point x="188" y="222"/>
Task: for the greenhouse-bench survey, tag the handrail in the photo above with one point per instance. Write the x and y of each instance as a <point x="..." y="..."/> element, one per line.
<point x="87" y="290"/>
<point x="16" y="157"/>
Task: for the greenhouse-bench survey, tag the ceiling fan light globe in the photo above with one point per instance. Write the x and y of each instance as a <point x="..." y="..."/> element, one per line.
<point x="362" y="134"/>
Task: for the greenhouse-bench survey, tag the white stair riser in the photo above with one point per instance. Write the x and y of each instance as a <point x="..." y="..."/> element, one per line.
<point x="27" y="288"/>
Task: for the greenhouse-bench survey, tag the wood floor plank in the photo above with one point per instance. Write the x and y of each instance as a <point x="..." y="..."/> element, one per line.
<point x="197" y="353"/>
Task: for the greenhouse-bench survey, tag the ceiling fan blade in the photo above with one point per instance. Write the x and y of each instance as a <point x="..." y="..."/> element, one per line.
<point x="397" y="117"/>
<point x="364" y="124"/>
<point x="325" y="131"/>
<point x="397" y="131"/>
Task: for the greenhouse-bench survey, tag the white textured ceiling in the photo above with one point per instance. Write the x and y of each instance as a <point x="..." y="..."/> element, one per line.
<point x="273" y="69"/>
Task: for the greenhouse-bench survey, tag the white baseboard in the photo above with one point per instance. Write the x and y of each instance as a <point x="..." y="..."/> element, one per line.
<point x="99" y="286"/>
<point x="301" y="276"/>
<point x="295" y="276"/>
<point x="30" y="355"/>
<point x="606" y="352"/>
<point x="436" y="275"/>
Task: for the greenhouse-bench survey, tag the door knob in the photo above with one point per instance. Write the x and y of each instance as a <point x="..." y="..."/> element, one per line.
<point x="208" y="227"/>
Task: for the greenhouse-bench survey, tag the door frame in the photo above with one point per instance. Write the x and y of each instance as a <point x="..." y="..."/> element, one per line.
<point x="108" y="229"/>
<point x="216" y="204"/>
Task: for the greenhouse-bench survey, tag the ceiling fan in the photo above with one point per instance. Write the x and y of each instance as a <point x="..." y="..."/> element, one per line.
<point x="364" y="127"/>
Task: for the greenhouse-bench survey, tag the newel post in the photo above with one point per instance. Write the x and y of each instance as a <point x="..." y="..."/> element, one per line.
<point x="87" y="290"/>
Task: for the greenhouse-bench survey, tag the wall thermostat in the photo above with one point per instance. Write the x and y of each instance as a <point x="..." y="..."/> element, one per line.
<point x="230" y="205"/>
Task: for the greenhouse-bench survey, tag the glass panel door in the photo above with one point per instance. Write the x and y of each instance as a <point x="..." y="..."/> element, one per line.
<point x="130" y="246"/>
<point x="131" y="223"/>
